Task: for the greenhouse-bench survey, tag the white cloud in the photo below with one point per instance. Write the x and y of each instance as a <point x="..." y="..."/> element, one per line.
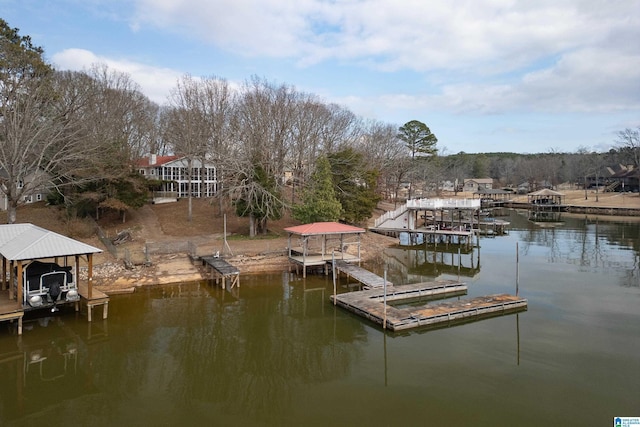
<point x="154" y="82"/>
<point x="439" y="34"/>
<point x="544" y="55"/>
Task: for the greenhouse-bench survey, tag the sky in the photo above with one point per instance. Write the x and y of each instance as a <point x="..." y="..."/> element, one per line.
<point x="484" y="75"/>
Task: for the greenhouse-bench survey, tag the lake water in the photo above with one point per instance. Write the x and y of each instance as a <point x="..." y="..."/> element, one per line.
<point x="277" y="352"/>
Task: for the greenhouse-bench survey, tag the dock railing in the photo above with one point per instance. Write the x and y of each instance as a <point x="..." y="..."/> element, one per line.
<point x="390" y="215"/>
<point x="443" y="204"/>
<point x="430" y="204"/>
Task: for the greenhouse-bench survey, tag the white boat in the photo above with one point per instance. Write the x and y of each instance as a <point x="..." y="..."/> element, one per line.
<point x="46" y="284"/>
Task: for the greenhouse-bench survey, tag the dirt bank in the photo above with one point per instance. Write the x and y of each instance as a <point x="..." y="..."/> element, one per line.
<point x="168" y="225"/>
<point x="250" y="257"/>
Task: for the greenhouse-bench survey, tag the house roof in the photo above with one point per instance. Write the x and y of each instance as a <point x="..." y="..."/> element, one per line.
<point x="546" y="192"/>
<point x="479" y="180"/>
<point x="19" y="242"/>
<point x="145" y="162"/>
<point x="319" y="228"/>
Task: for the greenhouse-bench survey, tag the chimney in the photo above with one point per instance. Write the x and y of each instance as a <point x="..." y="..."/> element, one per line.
<point x="153" y="159"/>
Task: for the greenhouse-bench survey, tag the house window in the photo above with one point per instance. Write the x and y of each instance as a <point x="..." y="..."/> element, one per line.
<point x="141" y="171"/>
<point x="20" y="183"/>
<point x="38" y="197"/>
<point x="27" y="199"/>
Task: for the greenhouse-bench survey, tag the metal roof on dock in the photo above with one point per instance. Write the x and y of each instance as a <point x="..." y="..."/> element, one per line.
<point x="319" y="228"/>
<point x="27" y="241"/>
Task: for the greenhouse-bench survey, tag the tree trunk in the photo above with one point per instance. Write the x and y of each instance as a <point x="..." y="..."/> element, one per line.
<point x="12" y="207"/>
<point x="252" y="226"/>
<point x="190" y="204"/>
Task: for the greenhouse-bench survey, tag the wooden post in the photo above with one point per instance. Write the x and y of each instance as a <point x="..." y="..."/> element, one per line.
<point x="12" y="278"/>
<point x="20" y="283"/>
<point x="4" y="273"/>
<point x="89" y="279"/>
<point x="517" y="268"/>
<point x="226" y="244"/>
<point x="333" y="268"/>
<point x="384" y="320"/>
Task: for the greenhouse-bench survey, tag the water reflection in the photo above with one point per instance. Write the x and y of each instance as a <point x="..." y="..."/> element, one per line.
<point x="276" y="351"/>
<point x="44" y="368"/>
<point x="590" y="244"/>
<point x="422" y="262"/>
<point x="252" y="352"/>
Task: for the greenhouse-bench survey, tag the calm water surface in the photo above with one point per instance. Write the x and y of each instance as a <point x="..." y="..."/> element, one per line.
<point x="277" y="352"/>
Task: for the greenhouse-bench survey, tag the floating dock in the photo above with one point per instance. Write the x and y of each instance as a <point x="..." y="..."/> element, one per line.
<point x="222" y="271"/>
<point x="370" y="304"/>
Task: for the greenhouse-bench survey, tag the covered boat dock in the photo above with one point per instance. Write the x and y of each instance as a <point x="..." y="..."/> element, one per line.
<point x="321" y="242"/>
<point x="25" y="245"/>
<point x="546" y="199"/>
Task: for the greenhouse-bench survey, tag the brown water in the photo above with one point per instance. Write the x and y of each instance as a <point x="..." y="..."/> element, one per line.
<point x="277" y="352"/>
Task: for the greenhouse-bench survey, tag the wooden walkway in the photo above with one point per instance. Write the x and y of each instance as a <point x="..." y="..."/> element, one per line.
<point x="9" y="310"/>
<point x="222" y="271"/>
<point x="368" y="279"/>
<point x="370" y="304"/>
<point x="94" y="299"/>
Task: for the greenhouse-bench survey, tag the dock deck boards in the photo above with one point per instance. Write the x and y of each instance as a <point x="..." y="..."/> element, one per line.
<point x="223" y="270"/>
<point x="222" y="266"/>
<point x="370" y="304"/>
<point x="368" y="279"/>
<point x="9" y="310"/>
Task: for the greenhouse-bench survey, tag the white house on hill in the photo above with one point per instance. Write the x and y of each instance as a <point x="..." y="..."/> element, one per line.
<point x="173" y="172"/>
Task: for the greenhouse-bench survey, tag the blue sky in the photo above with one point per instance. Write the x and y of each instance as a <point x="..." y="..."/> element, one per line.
<point x="484" y="75"/>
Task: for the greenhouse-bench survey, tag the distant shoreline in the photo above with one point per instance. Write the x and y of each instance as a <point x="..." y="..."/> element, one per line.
<point x="592" y="210"/>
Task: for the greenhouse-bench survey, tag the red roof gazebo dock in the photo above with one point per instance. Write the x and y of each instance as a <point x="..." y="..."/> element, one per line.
<point x="317" y="243"/>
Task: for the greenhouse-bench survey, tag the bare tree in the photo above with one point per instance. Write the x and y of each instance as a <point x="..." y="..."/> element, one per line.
<point x="189" y="129"/>
<point x="263" y="124"/>
<point x="317" y="129"/>
<point x="629" y="141"/>
<point x="217" y="101"/>
<point x="386" y="153"/>
<point x="309" y="120"/>
<point x="41" y="126"/>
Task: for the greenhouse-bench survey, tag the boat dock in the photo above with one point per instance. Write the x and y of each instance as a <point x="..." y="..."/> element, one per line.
<point x="222" y="271"/>
<point x="9" y="310"/>
<point x="94" y="298"/>
<point x="368" y="279"/>
<point x="370" y="304"/>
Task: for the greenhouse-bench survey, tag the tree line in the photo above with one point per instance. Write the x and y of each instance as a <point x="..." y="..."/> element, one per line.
<point x="275" y="148"/>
